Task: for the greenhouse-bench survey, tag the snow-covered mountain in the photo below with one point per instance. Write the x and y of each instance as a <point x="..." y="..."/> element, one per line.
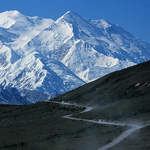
<point x="10" y="95"/>
<point x="42" y="58"/>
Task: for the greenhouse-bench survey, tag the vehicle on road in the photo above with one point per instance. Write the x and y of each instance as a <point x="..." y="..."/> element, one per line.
<point x="100" y="120"/>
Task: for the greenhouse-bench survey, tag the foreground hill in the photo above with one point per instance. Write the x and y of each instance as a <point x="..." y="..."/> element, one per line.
<point x="121" y="97"/>
<point x="126" y="93"/>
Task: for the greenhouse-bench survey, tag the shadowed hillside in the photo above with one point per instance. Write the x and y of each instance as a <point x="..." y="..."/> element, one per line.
<point x="119" y="95"/>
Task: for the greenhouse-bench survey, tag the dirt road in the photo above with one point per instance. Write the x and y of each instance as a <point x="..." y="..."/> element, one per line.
<point x="114" y="141"/>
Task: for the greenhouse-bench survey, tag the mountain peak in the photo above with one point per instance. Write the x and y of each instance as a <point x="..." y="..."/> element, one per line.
<point x="15" y="12"/>
<point x="70" y="16"/>
<point x="70" y="13"/>
<point x="12" y="13"/>
<point x="8" y="18"/>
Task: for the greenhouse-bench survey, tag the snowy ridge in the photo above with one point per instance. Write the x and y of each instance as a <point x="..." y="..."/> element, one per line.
<point x="35" y="72"/>
<point x="42" y="58"/>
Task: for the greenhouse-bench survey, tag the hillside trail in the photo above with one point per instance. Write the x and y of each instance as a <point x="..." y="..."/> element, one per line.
<point x="116" y="140"/>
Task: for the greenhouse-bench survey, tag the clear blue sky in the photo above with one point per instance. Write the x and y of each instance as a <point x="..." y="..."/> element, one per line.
<point x="132" y="15"/>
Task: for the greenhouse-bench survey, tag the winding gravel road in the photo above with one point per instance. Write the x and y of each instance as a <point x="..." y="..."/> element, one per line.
<point x="114" y="141"/>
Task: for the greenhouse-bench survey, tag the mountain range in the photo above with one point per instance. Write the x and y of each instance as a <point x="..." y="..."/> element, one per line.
<point x="41" y="58"/>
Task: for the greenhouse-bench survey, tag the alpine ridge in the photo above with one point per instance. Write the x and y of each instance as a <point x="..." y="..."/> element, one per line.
<point x="41" y="58"/>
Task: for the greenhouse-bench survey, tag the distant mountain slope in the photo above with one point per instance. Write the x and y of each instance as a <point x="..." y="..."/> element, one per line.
<point x="36" y="76"/>
<point x="49" y="77"/>
<point x="10" y="95"/>
<point x="24" y="27"/>
<point x="89" y="48"/>
<point x="49" y="58"/>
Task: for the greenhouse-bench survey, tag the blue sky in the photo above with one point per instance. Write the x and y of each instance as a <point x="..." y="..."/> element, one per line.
<point x="132" y="15"/>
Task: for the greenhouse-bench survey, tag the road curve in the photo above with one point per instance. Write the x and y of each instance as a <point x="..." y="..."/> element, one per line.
<point x="114" y="141"/>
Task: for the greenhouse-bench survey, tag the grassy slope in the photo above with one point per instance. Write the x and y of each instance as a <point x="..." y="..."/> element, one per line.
<point x="40" y="127"/>
<point x="115" y="97"/>
<point x="137" y="141"/>
<point x="120" y="96"/>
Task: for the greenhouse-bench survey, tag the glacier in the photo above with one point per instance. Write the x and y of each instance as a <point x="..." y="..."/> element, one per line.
<point x="41" y="58"/>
